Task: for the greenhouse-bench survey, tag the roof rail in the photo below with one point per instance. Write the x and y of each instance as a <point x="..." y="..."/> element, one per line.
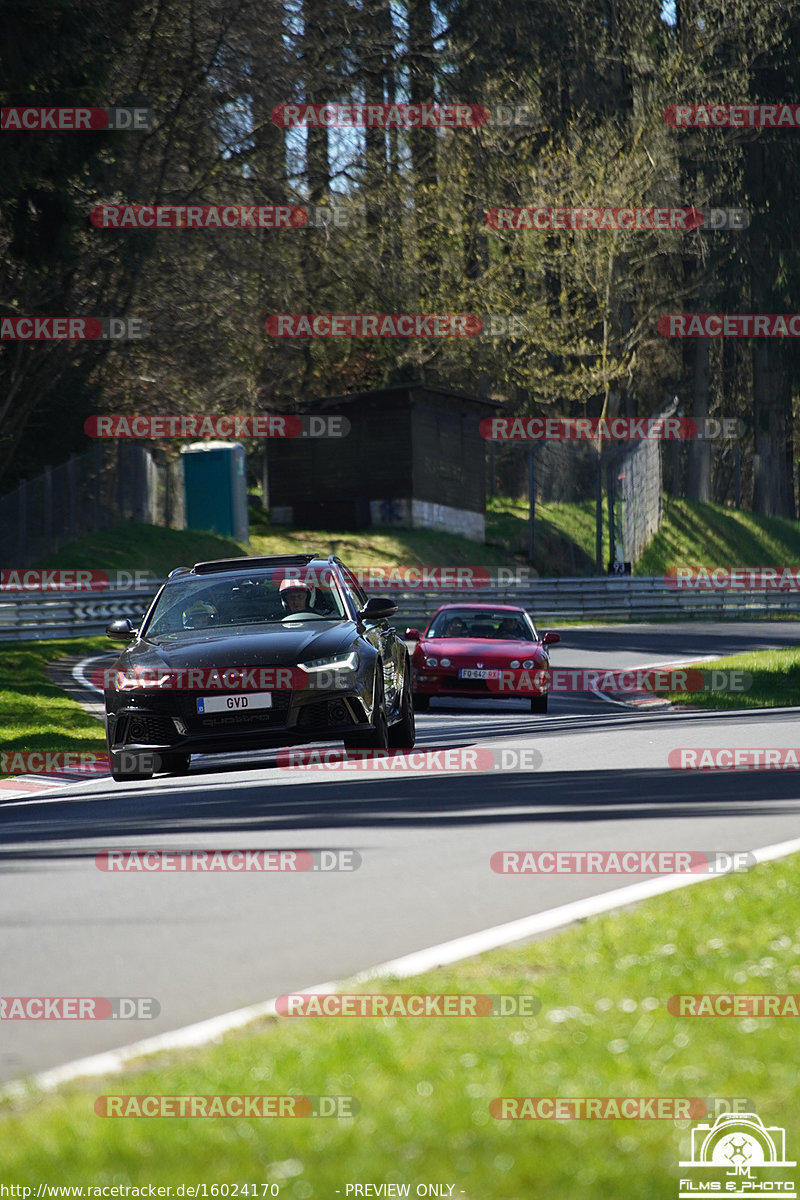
<point x="247" y="563"/>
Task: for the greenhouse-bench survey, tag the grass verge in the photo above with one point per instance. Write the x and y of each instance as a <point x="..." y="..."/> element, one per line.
<point x="564" y="543"/>
<point x="145" y="548"/>
<point x="694" y="534"/>
<point x="37" y="715"/>
<point x="424" y="1085"/>
<point x="774" y="683"/>
<point x="691" y="534"/>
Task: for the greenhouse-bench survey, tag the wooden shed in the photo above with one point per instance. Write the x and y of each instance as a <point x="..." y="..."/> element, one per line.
<point x="413" y="457"/>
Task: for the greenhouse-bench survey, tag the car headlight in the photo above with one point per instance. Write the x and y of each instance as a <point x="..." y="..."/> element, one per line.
<point x="528" y="663"/>
<point x="514" y="662"/>
<point x="142" y="677"/>
<point x="338" y="662"/>
<point x="444" y="662"/>
<point x="431" y="662"/>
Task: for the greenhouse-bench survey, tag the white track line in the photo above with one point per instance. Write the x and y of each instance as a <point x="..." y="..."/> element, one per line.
<point x="79" y="676"/>
<point x="419" y="961"/>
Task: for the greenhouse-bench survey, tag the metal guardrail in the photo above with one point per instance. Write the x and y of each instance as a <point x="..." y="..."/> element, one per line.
<point x="621" y="598"/>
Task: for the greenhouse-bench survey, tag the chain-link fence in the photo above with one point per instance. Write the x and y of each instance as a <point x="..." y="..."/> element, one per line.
<point x="627" y="477"/>
<point x="639" y="485"/>
<point x="108" y="484"/>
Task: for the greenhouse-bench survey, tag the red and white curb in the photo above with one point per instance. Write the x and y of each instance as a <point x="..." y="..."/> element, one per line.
<point x="29" y="785"/>
<point x="645" y="700"/>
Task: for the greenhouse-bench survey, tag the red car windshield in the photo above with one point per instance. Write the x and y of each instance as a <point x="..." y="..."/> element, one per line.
<point x="482" y="623"/>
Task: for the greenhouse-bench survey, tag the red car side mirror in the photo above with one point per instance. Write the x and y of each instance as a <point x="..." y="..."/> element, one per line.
<point x="550" y="639"/>
<point x="412" y="635"/>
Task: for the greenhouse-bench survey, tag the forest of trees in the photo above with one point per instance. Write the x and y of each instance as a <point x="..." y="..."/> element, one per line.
<point x="595" y="77"/>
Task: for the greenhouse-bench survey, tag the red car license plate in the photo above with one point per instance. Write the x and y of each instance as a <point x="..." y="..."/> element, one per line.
<point x="476" y="673"/>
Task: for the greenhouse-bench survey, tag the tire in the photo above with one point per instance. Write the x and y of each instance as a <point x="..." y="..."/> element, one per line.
<point x="539" y="704"/>
<point x="404" y="734"/>
<point x="378" y="737"/>
<point x="176" y="763"/>
<point x="127" y="766"/>
<point x="421" y="703"/>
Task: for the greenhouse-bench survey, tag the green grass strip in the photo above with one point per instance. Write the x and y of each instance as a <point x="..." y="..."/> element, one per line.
<point x="774" y="683"/>
<point x="425" y="1085"/>
<point x="37" y="715"/>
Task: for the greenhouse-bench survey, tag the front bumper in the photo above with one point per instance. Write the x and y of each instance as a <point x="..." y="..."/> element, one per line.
<point x="443" y="683"/>
<point x="169" y="721"/>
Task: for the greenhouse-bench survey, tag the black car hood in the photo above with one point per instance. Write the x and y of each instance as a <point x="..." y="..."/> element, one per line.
<point x="283" y="645"/>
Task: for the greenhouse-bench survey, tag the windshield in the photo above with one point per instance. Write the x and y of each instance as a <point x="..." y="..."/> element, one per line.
<point x="482" y="623"/>
<point x="261" y="599"/>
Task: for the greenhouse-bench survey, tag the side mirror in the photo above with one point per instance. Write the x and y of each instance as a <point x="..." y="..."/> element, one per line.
<point x="550" y="639"/>
<point x="120" y="630"/>
<point x="412" y="635"/>
<point x="377" y="608"/>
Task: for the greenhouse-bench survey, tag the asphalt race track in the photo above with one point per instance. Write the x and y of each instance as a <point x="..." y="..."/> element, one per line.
<point x="204" y="944"/>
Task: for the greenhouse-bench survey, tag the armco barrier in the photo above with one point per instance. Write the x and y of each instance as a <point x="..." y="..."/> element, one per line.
<point x="620" y="598"/>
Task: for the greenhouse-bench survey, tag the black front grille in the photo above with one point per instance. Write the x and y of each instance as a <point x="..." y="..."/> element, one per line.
<point x="184" y="705"/>
<point x="321" y="716"/>
<point x="146" y="729"/>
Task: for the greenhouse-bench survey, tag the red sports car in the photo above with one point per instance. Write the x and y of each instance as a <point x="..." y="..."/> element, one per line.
<point x="486" y="650"/>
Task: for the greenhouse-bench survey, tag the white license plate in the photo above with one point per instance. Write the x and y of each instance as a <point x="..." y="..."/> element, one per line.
<point x="475" y="673"/>
<point x="235" y="703"/>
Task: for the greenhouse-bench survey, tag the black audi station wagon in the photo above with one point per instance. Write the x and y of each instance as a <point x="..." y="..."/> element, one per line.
<point x="252" y="653"/>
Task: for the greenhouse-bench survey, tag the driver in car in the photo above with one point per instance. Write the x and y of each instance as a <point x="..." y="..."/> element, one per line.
<point x="509" y="628"/>
<point x="455" y="628"/>
<point x="295" y="596"/>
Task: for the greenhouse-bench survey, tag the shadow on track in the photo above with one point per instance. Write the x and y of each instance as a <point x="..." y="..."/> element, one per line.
<point x="132" y="817"/>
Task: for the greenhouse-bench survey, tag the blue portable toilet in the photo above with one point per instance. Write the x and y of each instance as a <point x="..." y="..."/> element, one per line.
<point x="215" y="488"/>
